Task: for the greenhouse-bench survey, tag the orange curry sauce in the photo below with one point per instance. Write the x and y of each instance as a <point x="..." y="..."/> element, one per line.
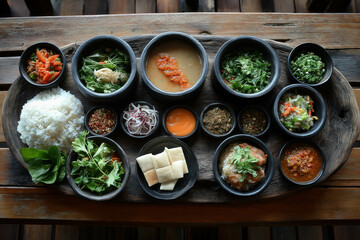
<point x="169" y="67"/>
<point x="301" y="162"/>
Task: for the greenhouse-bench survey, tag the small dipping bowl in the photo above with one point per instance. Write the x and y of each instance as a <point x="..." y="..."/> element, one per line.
<point x="102" y="123"/>
<point x="180" y="121"/>
<point x="183" y="41"/>
<point x="317" y="50"/>
<point x="257" y="120"/>
<point x="318" y="162"/>
<point x="218" y="122"/>
<point x="123" y="121"/>
<point x="25" y="56"/>
<point x="90" y="195"/>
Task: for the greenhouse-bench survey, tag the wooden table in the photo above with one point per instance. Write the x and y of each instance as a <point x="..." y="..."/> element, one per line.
<point x="337" y="199"/>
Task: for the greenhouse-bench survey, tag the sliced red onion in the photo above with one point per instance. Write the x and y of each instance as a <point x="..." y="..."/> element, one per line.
<point x="140" y="119"/>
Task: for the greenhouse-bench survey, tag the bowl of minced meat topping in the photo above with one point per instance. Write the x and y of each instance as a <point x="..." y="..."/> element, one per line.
<point x="218" y="120"/>
<point x="101" y="120"/>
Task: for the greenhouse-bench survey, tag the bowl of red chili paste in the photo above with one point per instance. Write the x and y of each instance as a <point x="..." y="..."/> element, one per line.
<point x="302" y="163"/>
<point x="101" y="120"/>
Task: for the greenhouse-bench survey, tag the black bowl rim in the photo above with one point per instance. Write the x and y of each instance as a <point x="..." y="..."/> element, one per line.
<point x="222" y="105"/>
<point x="167" y="111"/>
<point x="197" y="45"/>
<point x="89" y="195"/>
<point x="100" y="38"/>
<point x="273" y="81"/>
<point x="270" y="164"/>
<point x="187" y="188"/>
<point x="312" y="143"/>
<point x="26" y="76"/>
<point x="261" y="108"/>
<point x="91" y="110"/>
<point x="319" y="49"/>
<point x="140" y="136"/>
<point x="318" y="99"/>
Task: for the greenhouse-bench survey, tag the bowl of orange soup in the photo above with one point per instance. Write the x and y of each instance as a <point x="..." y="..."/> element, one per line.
<point x="173" y="66"/>
<point x="180" y="121"/>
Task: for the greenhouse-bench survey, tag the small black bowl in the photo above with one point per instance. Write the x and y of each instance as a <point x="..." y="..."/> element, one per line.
<point x="157" y="145"/>
<point x="260" y="109"/>
<point x="175" y="107"/>
<point x="174" y="96"/>
<point x="239" y="42"/>
<point x="317" y="50"/>
<point x="319" y="110"/>
<point x="91" y="111"/>
<point x="122" y="120"/>
<point x="269" y="171"/>
<point x="93" y="196"/>
<point x="89" y="47"/>
<point x="221" y="106"/>
<point x="311" y="143"/>
<point x="25" y="56"/>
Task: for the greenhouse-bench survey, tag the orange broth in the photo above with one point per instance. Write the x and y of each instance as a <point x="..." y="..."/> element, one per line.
<point x="180" y="122"/>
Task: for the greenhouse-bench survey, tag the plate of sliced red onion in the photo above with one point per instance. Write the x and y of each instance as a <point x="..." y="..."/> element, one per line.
<point x="140" y="119"/>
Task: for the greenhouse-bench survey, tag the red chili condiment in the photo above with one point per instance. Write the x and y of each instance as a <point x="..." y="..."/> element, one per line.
<point x="301" y="162"/>
<point x="102" y="121"/>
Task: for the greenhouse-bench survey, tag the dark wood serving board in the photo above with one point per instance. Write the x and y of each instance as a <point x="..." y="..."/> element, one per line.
<point x="336" y="138"/>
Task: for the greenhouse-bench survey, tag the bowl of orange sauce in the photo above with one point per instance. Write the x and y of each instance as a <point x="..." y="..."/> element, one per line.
<point x="302" y="162"/>
<point x="180" y="121"/>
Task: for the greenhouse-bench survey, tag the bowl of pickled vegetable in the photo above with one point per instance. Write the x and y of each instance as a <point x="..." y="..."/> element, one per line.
<point x="104" y="68"/>
<point x="43" y="65"/>
<point x="300" y="111"/>
<point x="246" y="67"/>
<point x="310" y="64"/>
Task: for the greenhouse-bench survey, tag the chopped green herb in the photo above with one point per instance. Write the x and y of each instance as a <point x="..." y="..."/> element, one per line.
<point x="244" y="162"/>
<point x="308" y="68"/>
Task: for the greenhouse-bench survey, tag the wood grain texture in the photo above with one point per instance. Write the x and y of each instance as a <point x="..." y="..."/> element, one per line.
<point x="300" y="6"/>
<point x="92" y="7"/>
<point x="284" y="6"/>
<point x="251" y="5"/>
<point x="124" y="6"/>
<point x="343" y="116"/>
<point x="230" y="233"/>
<point x="337" y="31"/>
<point x="167" y="6"/>
<point x="145" y="6"/>
<point x="227" y="5"/>
<point x="255" y="233"/>
<point x="71" y="7"/>
<point x="37" y="232"/>
<point x="348" y="232"/>
<point x="66" y="232"/>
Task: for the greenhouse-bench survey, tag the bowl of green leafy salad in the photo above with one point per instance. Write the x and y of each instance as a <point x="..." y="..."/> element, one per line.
<point x="104" y="68"/>
<point x="246" y="67"/>
<point x="300" y="111"/>
<point x="97" y="167"/>
<point x="310" y="64"/>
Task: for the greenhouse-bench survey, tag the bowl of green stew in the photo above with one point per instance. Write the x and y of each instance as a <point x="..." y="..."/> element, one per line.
<point x="310" y="64"/>
<point x="245" y="67"/>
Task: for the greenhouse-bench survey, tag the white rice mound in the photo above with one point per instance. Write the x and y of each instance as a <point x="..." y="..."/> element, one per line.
<point x="52" y="117"/>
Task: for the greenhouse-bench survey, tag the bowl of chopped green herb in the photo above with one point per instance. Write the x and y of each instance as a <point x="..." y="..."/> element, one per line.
<point x="104" y="68"/>
<point x="243" y="165"/>
<point x="245" y="67"/>
<point x="310" y="64"/>
<point x="97" y="167"/>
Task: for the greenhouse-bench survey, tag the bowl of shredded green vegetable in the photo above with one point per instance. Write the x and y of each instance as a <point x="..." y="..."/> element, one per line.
<point x="104" y="68"/>
<point x="246" y="67"/>
<point x="310" y="64"/>
<point x="300" y="111"/>
<point x="97" y="167"/>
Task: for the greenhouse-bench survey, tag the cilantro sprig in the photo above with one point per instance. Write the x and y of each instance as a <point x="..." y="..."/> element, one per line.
<point x="96" y="169"/>
<point x="244" y="162"/>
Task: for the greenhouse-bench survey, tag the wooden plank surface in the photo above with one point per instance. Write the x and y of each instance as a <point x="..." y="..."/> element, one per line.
<point x="145" y="6"/>
<point x="284" y="6"/>
<point x="37" y="232"/>
<point x="71" y="7"/>
<point x="251" y="5"/>
<point x="337" y="31"/>
<point x="227" y="5"/>
<point x="124" y="6"/>
<point x="167" y="6"/>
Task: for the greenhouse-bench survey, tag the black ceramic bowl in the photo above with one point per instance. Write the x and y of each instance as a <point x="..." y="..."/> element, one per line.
<point x="241" y="42"/>
<point x="87" y="48"/>
<point x="317" y="50"/>
<point x="122" y="120"/>
<point x="157" y="145"/>
<point x="256" y="108"/>
<point x="91" y="111"/>
<point x="312" y="144"/>
<point x="93" y="196"/>
<point x="25" y="56"/>
<point x="221" y="106"/>
<point x="269" y="170"/>
<point x="175" y="107"/>
<point x="174" y="96"/>
<point x="319" y="109"/>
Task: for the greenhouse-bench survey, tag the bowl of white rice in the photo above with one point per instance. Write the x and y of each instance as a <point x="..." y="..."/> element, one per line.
<point x="52" y="117"/>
